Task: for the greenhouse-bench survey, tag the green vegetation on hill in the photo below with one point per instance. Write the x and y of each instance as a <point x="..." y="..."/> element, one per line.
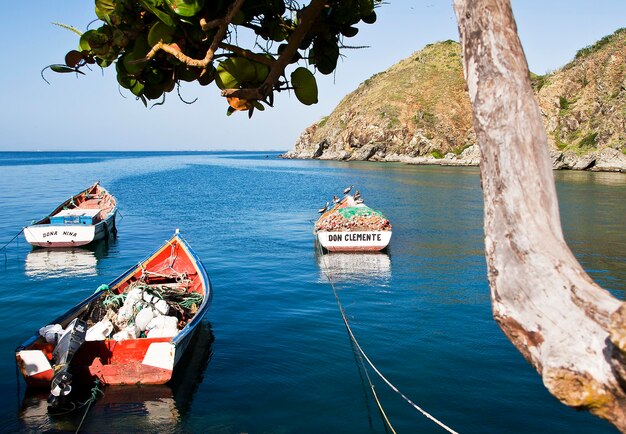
<point x="599" y="44"/>
<point x="419" y="100"/>
<point x="420" y="106"/>
<point x="584" y="103"/>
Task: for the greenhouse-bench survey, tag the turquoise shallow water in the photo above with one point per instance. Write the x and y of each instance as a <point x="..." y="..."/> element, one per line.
<point x="273" y="355"/>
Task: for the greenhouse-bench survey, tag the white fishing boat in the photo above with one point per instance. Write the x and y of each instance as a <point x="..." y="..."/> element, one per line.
<point x="352" y="226"/>
<point x="85" y="217"/>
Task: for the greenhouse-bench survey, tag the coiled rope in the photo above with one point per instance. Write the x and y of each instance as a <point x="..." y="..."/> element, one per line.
<point x="362" y="353"/>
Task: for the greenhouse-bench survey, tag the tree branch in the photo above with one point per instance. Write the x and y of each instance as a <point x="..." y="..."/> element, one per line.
<point x="248" y="54"/>
<point x="308" y="17"/>
<point x="175" y="51"/>
<point x="547" y="305"/>
<point x="208" y="25"/>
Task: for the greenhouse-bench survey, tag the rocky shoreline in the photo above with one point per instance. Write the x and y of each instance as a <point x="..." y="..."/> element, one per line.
<point x="605" y="160"/>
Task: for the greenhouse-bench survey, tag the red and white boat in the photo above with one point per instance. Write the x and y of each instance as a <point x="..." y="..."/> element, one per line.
<point x="352" y="226"/>
<point x="85" y="217"/>
<point x="132" y="331"/>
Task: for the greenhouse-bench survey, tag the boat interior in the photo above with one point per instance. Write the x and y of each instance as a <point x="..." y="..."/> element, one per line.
<point x="94" y="198"/>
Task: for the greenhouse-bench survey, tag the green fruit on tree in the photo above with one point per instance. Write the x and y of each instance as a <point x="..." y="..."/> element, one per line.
<point x="304" y="85"/>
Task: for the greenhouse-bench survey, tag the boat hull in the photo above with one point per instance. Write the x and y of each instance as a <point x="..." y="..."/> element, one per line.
<point x="86" y="217"/>
<point x="134" y="361"/>
<point x="142" y="360"/>
<point x="42" y="235"/>
<point x="369" y="241"/>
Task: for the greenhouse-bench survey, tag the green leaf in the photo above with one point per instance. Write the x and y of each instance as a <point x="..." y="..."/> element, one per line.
<point x="64" y="69"/>
<point x="104" y="8"/>
<point x="165" y="18"/>
<point x="103" y="63"/>
<point x="369" y="19"/>
<point x="235" y="71"/>
<point x="349" y="31"/>
<point x="125" y="81"/>
<point x="154" y="76"/>
<point x="98" y="41"/>
<point x="83" y="44"/>
<point x="208" y="76"/>
<point x="137" y="88"/>
<point x="225" y="80"/>
<point x="324" y="55"/>
<point x="186" y="73"/>
<point x="134" y="61"/>
<point x="366" y="7"/>
<point x="160" y="32"/>
<point x="185" y="8"/>
<point x="152" y="92"/>
<point x="120" y="39"/>
<point x="262" y="71"/>
<point x="239" y="18"/>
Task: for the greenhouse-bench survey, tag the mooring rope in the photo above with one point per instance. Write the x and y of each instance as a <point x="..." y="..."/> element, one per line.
<point x="94" y="395"/>
<point x="356" y="343"/>
<point x="11" y="240"/>
<point x="369" y="380"/>
<point x="382" y="411"/>
<point x="4" y="248"/>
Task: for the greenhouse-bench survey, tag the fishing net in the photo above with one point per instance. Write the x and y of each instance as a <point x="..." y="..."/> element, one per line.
<point x="122" y="310"/>
<point x="353" y="218"/>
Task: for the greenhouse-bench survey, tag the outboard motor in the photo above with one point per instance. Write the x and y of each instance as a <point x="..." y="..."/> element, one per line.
<point x="62" y="355"/>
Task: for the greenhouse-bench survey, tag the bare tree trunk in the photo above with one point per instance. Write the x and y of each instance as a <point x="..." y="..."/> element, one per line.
<point x="571" y="330"/>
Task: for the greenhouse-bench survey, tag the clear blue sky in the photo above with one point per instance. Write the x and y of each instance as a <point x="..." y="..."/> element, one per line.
<point x="88" y="113"/>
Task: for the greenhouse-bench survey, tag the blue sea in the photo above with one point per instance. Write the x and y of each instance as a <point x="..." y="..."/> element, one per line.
<point x="273" y="355"/>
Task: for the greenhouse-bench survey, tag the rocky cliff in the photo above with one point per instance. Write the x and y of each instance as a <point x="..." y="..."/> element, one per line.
<point x="418" y="112"/>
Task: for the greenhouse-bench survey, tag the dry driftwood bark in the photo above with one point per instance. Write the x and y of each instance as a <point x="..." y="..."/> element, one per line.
<point x="571" y="330"/>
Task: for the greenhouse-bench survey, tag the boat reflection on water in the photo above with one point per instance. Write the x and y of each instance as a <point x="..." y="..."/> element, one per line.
<point x="66" y="262"/>
<point x="138" y="409"/>
<point x="355" y="267"/>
